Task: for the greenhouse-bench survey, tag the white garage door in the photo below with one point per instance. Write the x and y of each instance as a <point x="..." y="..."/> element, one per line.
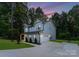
<point x="44" y="38"/>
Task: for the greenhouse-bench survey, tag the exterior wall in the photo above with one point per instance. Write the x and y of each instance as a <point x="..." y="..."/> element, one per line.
<point x="49" y="29"/>
<point x="32" y="38"/>
<point x="35" y="28"/>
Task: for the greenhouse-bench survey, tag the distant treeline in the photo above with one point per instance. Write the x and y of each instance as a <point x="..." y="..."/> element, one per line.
<point x="14" y="15"/>
<point x="67" y="24"/>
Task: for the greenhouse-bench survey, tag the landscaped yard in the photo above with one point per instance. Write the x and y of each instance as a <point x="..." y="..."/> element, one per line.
<point x="7" y="44"/>
<point x="61" y="41"/>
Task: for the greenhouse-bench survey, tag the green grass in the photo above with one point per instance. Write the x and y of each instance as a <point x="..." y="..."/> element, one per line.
<point x="76" y="42"/>
<point x="7" y="44"/>
<point x="61" y="41"/>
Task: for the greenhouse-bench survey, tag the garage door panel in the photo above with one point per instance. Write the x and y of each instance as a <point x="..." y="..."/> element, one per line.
<point x="44" y="38"/>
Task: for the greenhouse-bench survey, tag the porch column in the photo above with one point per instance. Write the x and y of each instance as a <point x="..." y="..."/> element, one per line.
<point x="24" y="37"/>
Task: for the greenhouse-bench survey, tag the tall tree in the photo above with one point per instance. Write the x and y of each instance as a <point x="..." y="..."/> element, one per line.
<point x="56" y="18"/>
<point x="40" y="16"/>
<point x="74" y="13"/>
<point x="20" y="18"/>
<point x="4" y="21"/>
<point x="64" y="22"/>
<point x="31" y="18"/>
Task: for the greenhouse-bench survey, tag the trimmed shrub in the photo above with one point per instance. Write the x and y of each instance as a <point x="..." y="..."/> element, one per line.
<point x="64" y="36"/>
<point x="75" y="38"/>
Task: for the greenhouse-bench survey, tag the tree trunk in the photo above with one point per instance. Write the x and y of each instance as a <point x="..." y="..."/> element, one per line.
<point x="18" y="35"/>
<point x="12" y="21"/>
<point x="18" y="39"/>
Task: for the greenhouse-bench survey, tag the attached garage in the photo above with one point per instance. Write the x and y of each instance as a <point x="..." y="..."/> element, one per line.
<point x="44" y="37"/>
<point x="41" y="33"/>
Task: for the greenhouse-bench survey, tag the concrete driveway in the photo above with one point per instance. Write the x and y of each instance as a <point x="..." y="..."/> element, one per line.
<point x="49" y="49"/>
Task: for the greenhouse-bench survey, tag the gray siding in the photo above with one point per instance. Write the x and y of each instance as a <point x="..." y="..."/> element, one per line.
<point x="49" y="28"/>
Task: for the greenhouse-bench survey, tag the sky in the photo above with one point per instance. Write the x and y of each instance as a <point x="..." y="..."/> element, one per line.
<point x="50" y="8"/>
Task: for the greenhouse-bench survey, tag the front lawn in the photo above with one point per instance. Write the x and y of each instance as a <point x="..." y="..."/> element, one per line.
<point x="59" y="41"/>
<point x="68" y="41"/>
<point x="7" y="44"/>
